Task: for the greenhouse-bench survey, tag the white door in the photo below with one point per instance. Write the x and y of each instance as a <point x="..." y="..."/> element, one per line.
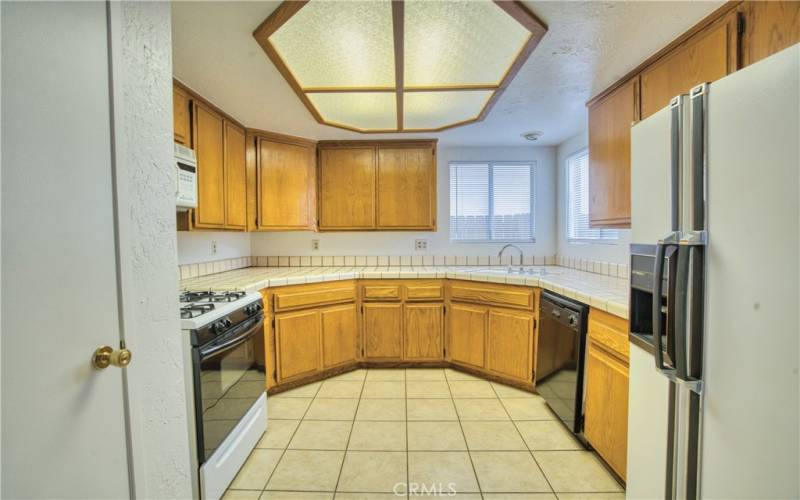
<point x="63" y="422"/>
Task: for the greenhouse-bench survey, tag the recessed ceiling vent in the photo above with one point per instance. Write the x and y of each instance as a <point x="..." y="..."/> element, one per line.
<point x="533" y="136"/>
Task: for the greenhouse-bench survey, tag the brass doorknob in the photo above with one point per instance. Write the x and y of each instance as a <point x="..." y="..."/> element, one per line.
<point x="106" y="355"/>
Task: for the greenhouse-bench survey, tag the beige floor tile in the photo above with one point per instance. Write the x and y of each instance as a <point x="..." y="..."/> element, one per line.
<point x="321" y="435"/>
<point x="241" y="495"/>
<point x="452" y="374"/>
<point x="295" y="495"/>
<point x="378" y="436"/>
<point x="519" y="496"/>
<point x="480" y="409"/>
<point x="425" y="374"/>
<point x="372" y="471"/>
<point x="427" y="389"/>
<point x="387" y="374"/>
<point x="471" y="389"/>
<point x="368" y="496"/>
<point x="352" y="375"/>
<point x="340" y="389"/>
<point x="431" y="409"/>
<point x="384" y="389"/>
<point x="528" y="409"/>
<point x="508" y="471"/>
<point x="506" y="391"/>
<point x="547" y="435"/>
<point x="256" y="470"/>
<point x="576" y="471"/>
<point x="445" y="470"/>
<point x="381" y="409"/>
<point x="278" y="434"/>
<point x="332" y="409"/>
<point x="301" y="470"/>
<point x="305" y="391"/>
<point x="498" y="436"/>
<point x="435" y="436"/>
<point x="287" y="408"/>
<point x="591" y="496"/>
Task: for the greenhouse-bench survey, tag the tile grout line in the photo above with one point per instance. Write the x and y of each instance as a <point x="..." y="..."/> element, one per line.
<point x="350" y="436"/>
<point x="464" y="435"/>
<point x="405" y="403"/>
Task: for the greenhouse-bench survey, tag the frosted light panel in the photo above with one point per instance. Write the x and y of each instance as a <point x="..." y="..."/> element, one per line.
<point x="361" y="110"/>
<point x="423" y="110"/>
<point x="459" y="43"/>
<point x="339" y="44"/>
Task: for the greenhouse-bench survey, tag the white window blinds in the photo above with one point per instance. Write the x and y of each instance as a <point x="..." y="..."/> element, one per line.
<point x="578" y="202"/>
<point x="491" y="201"/>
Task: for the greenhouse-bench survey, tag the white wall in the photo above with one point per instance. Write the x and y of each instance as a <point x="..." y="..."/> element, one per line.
<point x="402" y="243"/>
<point x="610" y="252"/>
<point x="197" y="246"/>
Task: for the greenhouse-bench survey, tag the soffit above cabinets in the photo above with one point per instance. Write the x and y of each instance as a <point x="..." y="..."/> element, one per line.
<point x="399" y="66"/>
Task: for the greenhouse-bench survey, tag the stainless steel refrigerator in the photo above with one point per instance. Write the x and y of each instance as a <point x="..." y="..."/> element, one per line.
<point x="714" y="399"/>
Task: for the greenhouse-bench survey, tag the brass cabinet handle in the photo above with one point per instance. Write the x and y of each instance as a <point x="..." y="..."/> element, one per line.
<point x="106" y="355"/>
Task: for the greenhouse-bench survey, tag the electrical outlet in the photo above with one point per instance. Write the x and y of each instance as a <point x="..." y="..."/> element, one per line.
<point x="213" y="247"/>
<point x="420" y="245"/>
<point x="314" y="244"/>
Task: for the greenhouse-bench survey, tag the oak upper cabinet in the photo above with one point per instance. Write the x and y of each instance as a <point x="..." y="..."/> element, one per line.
<point x="286" y="185"/>
<point x="467" y="334"/>
<point x="424" y="332"/>
<point x="181" y="126"/>
<point x="297" y="337"/>
<point x="769" y="27"/>
<point x="347" y="188"/>
<point x="510" y="344"/>
<point x="235" y="177"/>
<point x="383" y="330"/>
<point x="208" y="143"/>
<point x="339" y="333"/>
<point x="610" y="156"/>
<point x="406" y="188"/>
<point x="705" y="57"/>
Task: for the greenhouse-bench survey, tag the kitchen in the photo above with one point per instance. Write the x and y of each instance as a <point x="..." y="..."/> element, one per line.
<point x="490" y="253"/>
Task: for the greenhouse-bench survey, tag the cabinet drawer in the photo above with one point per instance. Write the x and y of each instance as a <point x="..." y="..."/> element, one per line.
<point x="296" y="298"/>
<point x="430" y="291"/>
<point x="609" y="331"/>
<point x="381" y="292"/>
<point x="496" y="295"/>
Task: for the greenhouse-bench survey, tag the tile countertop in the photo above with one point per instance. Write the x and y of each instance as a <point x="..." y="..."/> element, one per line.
<point x="600" y="291"/>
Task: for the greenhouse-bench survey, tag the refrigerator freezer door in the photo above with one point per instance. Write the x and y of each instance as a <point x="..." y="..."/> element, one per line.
<point x="751" y="421"/>
<point x="650" y="178"/>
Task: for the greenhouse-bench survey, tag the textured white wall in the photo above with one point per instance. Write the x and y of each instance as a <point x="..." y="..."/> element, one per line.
<point x="402" y="243"/>
<point x="196" y="246"/>
<point x="609" y="252"/>
<point x="142" y="74"/>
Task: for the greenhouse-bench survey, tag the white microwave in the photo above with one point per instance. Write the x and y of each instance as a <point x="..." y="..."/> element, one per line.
<point x="186" y="178"/>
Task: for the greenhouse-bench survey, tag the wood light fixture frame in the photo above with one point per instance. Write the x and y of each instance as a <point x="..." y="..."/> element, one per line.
<point x="289" y="8"/>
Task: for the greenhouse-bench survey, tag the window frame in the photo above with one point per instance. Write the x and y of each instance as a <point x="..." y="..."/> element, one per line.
<point x="532" y="164"/>
<point x="567" y="185"/>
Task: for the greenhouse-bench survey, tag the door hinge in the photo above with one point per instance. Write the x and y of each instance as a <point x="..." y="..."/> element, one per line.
<point x="273" y="323"/>
<point x="534" y="323"/>
<point x="444" y="310"/>
<point x="362" y="309"/>
<point x="740" y="24"/>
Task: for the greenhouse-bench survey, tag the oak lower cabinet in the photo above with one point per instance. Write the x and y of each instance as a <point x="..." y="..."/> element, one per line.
<point x="467" y="333"/>
<point x="339" y="334"/>
<point x="510" y="344"/>
<point x="383" y="331"/>
<point x="424" y="332"/>
<point x="297" y="336"/>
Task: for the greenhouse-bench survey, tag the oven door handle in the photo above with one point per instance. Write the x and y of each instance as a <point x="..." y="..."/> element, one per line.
<point x="238" y="335"/>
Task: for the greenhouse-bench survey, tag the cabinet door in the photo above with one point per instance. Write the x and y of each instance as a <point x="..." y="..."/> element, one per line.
<point x="769" y="27"/>
<point x="285" y="185"/>
<point x="406" y="188"/>
<point x="423" y="332"/>
<point x="235" y="178"/>
<point x="298" y="344"/>
<point x="347" y="188"/>
<point x="467" y="334"/>
<point x="510" y="344"/>
<point x="339" y="330"/>
<point x="706" y="57"/>
<point x="208" y="142"/>
<point x="181" y="127"/>
<point x="606" y="406"/>
<point x="610" y="157"/>
<point x="383" y="331"/>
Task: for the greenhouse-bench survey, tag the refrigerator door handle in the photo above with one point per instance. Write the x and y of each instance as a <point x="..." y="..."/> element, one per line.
<point x="671" y="240"/>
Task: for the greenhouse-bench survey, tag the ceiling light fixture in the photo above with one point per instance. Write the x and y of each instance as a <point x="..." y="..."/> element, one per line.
<point x="399" y="66"/>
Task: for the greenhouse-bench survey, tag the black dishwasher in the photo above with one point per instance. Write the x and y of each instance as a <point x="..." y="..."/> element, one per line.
<point x="560" y="355"/>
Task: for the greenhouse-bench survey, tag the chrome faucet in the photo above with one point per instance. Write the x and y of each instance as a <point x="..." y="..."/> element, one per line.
<point x="500" y="254"/>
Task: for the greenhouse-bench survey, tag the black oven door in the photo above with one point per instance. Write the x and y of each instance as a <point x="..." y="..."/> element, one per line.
<point x="229" y="376"/>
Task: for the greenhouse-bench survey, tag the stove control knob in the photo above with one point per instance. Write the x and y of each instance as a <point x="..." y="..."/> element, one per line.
<point x="227" y="322"/>
<point x="218" y="326"/>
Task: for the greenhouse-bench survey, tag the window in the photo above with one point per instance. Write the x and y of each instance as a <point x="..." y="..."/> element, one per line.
<point x="578" y="202"/>
<point x="491" y="201"/>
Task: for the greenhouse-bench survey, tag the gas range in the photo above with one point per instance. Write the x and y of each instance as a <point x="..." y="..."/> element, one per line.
<point x="201" y="308"/>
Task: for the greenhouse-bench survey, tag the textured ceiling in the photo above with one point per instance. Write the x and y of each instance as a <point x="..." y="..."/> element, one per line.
<point x="589" y="45"/>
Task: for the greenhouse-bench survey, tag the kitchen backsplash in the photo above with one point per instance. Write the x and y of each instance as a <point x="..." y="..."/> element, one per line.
<point x="219" y="266"/>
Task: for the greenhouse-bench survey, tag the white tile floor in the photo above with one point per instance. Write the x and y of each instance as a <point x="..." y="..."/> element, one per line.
<point x="369" y="433"/>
